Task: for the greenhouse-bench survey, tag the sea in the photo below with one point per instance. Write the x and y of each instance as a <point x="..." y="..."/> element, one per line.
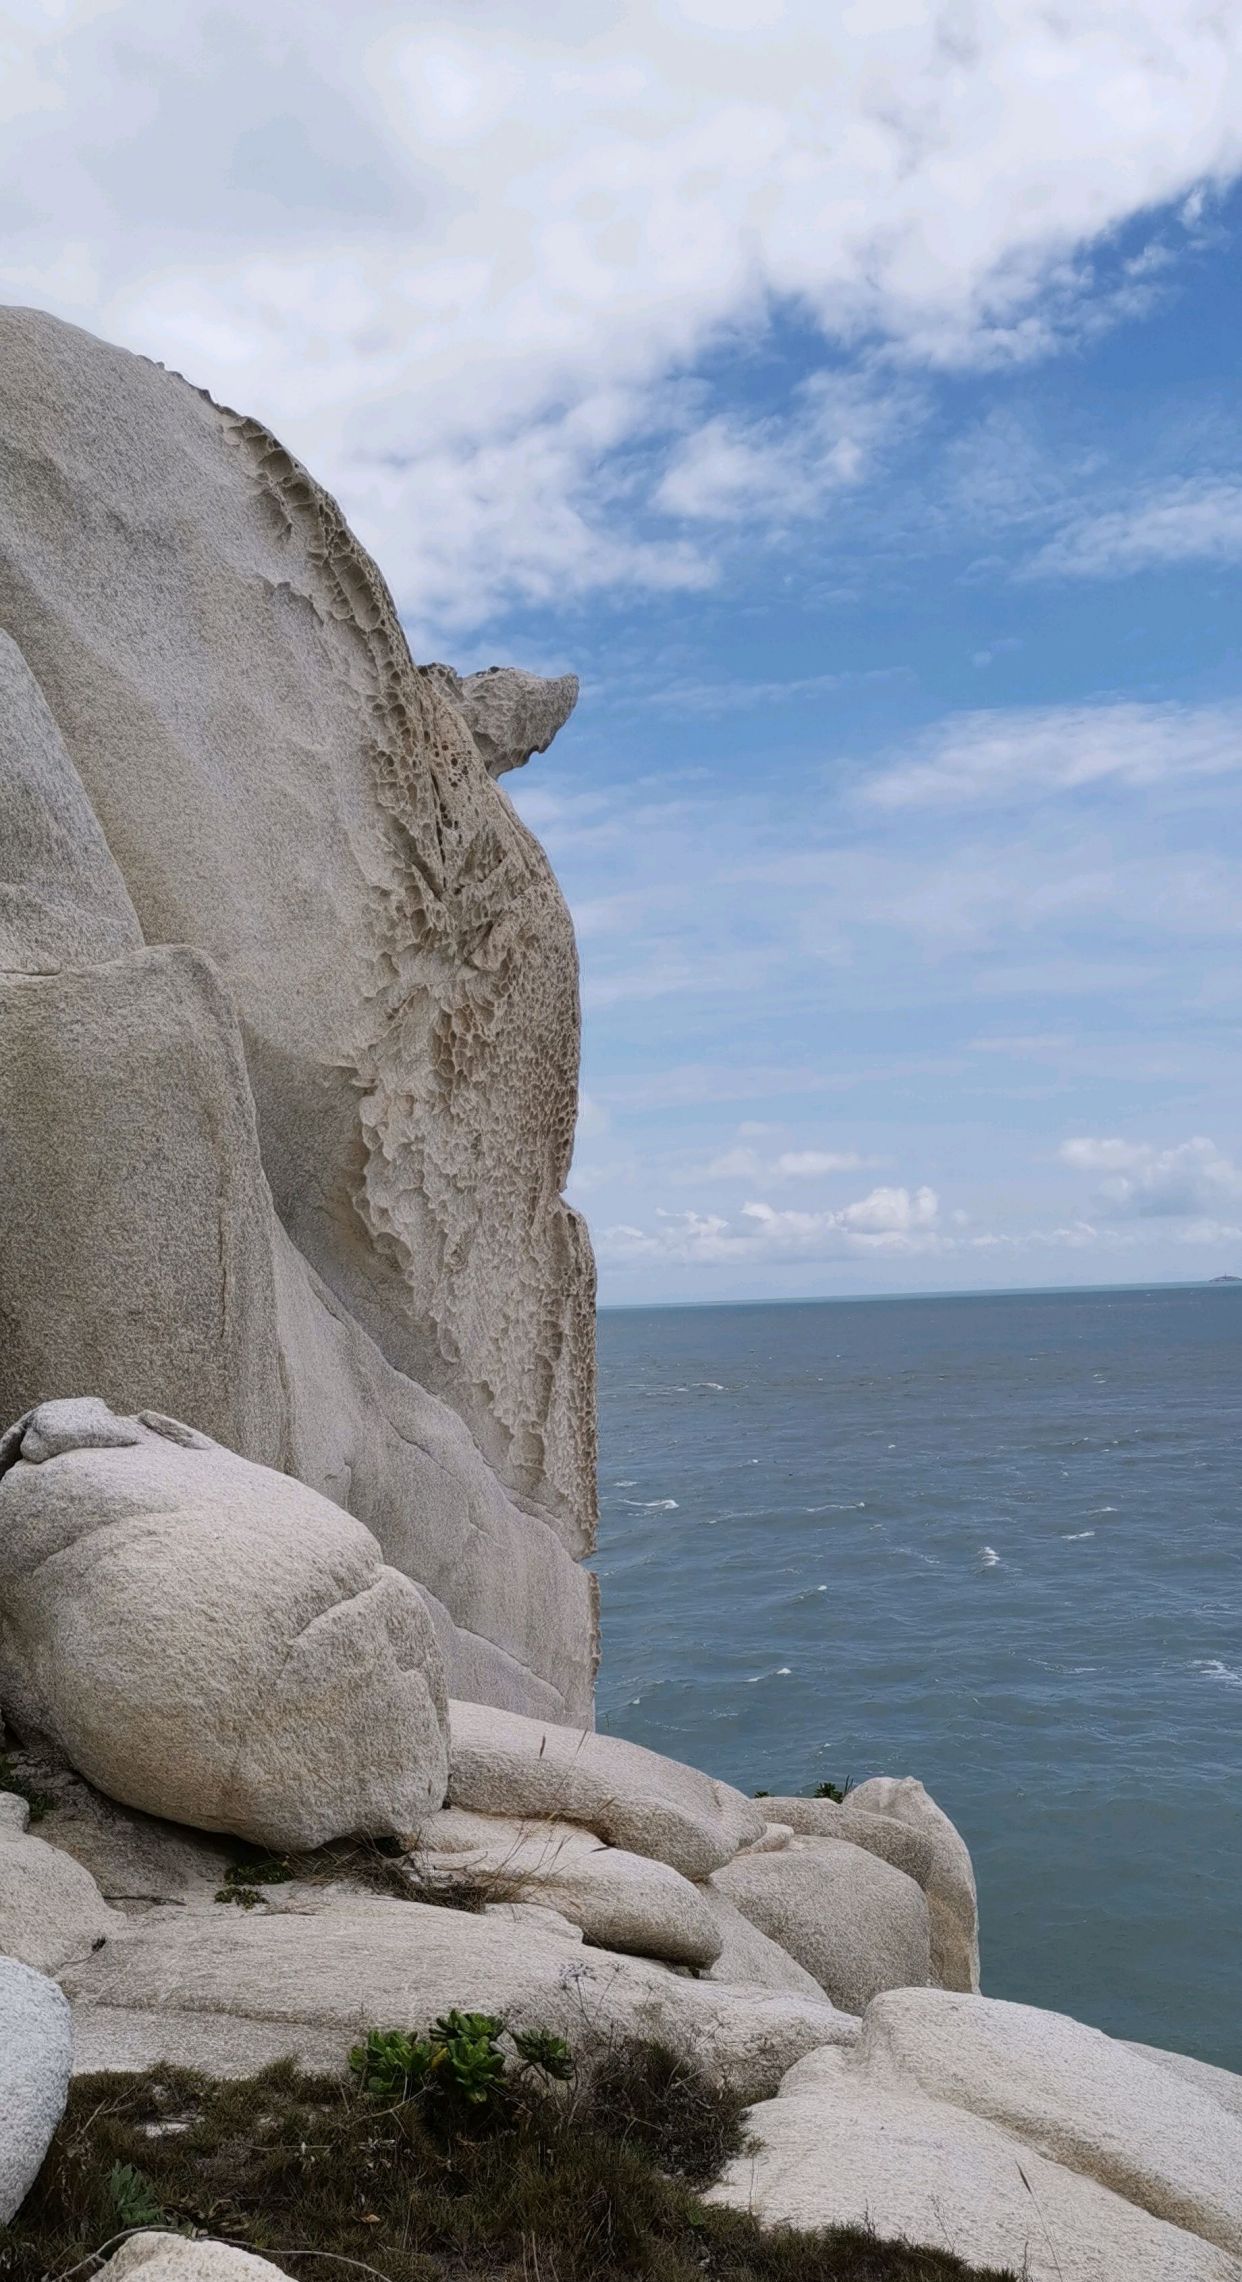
<point x="993" y="1541"/>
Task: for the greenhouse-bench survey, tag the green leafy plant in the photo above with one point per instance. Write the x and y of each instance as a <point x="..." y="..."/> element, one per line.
<point x="838" y="1792"/>
<point x="460" y="2069"/>
<point x="391" y="2066"/>
<point x="540" y="2048"/>
<point x="246" y="1897"/>
<point x="134" y="2198"/>
<point x="466" y="2048"/>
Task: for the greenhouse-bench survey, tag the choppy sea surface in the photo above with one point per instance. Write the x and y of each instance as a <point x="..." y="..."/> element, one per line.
<point x="993" y="1541"/>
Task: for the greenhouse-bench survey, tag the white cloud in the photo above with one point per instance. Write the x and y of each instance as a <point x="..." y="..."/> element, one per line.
<point x="888" y="1220"/>
<point x="808" y="1164"/>
<point x="462" y="257"/>
<point x="745" y="1164"/>
<point x="1195" y="521"/>
<point x="1191" y="1180"/>
<point x="975" y="759"/>
<point x="778" y="469"/>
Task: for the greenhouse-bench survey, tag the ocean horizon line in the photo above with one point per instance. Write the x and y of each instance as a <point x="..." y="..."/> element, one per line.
<point x="1222" y="1282"/>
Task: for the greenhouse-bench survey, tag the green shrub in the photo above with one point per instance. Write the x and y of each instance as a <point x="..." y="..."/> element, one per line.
<point x="460" y="2068"/>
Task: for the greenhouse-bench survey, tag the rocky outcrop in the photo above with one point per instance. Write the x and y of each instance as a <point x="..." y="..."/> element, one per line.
<point x="620" y="1901"/>
<point x="36" y="2055"/>
<point x="510" y="715"/>
<point x="261" y="879"/>
<point x="851" y="1921"/>
<point x="845" y="2144"/>
<point x="227" y="1991"/>
<point x="633" y="1798"/>
<point x="1077" y="2096"/>
<point x="896" y="1820"/>
<point x="948" y="1879"/>
<point x="207" y="1640"/>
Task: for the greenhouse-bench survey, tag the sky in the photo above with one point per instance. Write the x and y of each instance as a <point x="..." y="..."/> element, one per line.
<point x="847" y="391"/>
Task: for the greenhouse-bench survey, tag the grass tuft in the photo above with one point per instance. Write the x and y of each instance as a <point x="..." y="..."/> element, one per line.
<point x="591" y="2182"/>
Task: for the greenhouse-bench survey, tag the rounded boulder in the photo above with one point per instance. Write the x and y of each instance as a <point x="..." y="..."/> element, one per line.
<point x="208" y="1640"/>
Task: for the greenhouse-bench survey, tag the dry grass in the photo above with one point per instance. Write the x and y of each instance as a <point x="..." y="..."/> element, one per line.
<point x="592" y="2186"/>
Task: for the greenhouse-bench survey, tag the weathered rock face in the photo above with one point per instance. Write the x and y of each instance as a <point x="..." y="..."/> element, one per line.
<point x="510" y="715"/>
<point x="235" y="791"/>
<point x="633" y="1798"/>
<point x="207" y="1640"/>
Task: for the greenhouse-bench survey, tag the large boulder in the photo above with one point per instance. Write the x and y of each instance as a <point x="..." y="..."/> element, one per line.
<point x="501" y="1763"/>
<point x="51" y="1910"/>
<point x="949" y="1882"/>
<point x="288" y="1010"/>
<point x="1076" y="2095"/>
<point x="282" y="789"/>
<point x="853" y="1922"/>
<point x="749" y="1956"/>
<point x="227" y="1991"/>
<point x="922" y="1842"/>
<point x="621" y="1901"/>
<point x="207" y="1640"/>
<point x="841" y="2147"/>
<point x="36" y="2058"/>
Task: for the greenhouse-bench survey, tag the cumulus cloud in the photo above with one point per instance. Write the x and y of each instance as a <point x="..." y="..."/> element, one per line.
<point x="892" y="1220"/>
<point x="464" y="257"/>
<point x="1022" y="753"/>
<point x="1190" y="1180"/>
<point x="1198" y="520"/>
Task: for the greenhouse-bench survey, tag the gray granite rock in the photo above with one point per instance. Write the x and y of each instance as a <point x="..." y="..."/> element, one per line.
<point x="853" y="1922"/>
<point x="502" y="1764"/>
<point x="280" y="787"/>
<point x="208" y="1640"/>
<point x="36" y="2056"/>
<point x="228" y="1990"/>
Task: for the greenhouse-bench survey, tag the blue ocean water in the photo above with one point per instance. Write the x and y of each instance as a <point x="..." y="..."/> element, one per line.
<point x="993" y="1541"/>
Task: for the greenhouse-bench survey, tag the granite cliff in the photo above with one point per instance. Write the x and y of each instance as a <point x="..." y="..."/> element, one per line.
<point x="296" y="1343"/>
